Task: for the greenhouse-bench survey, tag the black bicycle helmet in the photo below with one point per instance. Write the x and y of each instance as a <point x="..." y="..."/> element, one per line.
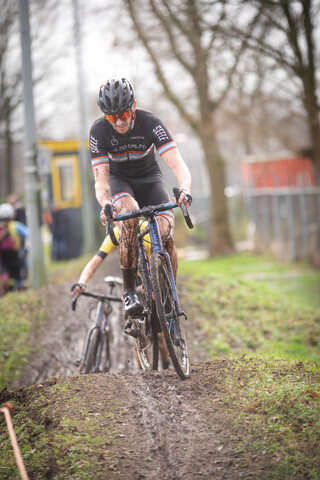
<point x="116" y="96"/>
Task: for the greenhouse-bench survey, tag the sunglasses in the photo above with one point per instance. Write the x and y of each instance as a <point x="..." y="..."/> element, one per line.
<point x="123" y="116"/>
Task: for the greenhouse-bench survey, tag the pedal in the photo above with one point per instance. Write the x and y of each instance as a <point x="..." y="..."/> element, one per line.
<point x="130" y="330"/>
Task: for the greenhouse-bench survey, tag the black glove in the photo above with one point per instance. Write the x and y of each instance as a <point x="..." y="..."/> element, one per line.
<point x="81" y="285"/>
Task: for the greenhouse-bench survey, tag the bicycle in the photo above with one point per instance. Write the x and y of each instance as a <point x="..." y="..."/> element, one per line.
<point x="96" y="354"/>
<point x="158" y="294"/>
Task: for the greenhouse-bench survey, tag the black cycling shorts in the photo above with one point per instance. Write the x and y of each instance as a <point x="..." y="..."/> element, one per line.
<point x="149" y="190"/>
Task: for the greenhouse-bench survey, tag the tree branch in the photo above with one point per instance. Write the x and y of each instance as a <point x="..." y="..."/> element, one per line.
<point x="171" y="38"/>
<point x="158" y="70"/>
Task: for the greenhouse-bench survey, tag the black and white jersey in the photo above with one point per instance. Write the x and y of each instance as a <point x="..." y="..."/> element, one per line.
<point x="131" y="154"/>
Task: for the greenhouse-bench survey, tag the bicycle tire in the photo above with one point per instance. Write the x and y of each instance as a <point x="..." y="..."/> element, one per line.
<point x="146" y="343"/>
<point x="147" y="350"/>
<point x="105" y="360"/>
<point x="95" y="339"/>
<point x="166" y="310"/>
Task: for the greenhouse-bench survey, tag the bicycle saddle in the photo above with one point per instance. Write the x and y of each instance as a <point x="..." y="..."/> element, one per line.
<point x="114" y="280"/>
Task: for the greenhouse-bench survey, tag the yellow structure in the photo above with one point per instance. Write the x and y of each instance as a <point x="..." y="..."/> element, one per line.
<point x="66" y="183"/>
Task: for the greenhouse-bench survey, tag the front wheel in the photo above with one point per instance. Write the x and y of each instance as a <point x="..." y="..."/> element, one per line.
<point x="146" y="342"/>
<point x="170" y="321"/>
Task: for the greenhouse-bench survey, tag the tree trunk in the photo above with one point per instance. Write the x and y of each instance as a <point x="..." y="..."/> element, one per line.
<point x="315" y="140"/>
<point x="220" y="238"/>
<point x="311" y="105"/>
<point x="8" y="161"/>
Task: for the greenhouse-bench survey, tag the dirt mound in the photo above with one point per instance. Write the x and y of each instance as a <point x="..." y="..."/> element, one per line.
<point x="132" y="426"/>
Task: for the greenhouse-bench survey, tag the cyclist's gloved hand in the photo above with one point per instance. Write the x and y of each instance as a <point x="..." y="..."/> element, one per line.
<point x="77" y="289"/>
<point x="185" y="197"/>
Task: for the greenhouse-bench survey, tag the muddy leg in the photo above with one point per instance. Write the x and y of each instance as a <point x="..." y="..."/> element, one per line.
<point x="166" y="227"/>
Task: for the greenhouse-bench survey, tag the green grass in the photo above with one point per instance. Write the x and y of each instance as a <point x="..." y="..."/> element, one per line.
<point x="21" y="315"/>
<point x="296" y="283"/>
<point x="56" y="445"/>
<point x="277" y="402"/>
<point x="245" y="303"/>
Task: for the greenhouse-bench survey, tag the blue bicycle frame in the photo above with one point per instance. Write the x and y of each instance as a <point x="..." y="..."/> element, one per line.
<point x="156" y="243"/>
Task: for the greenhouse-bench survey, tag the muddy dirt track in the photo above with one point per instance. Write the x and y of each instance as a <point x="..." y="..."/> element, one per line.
<point x="169" y="428"/>
<point x="63" y="336"/>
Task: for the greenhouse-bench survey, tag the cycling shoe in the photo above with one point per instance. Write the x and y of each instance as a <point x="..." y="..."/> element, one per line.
<point x="131" y="303"/>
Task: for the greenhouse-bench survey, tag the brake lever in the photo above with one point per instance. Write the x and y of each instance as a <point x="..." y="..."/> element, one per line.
<point x="74" y="302"/>
<point x="110" y="231"/>
<point x="185" y="212"/>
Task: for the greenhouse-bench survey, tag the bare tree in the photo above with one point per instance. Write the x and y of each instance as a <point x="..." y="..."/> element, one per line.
<point x="8" y="84"/>
<point x="286" y="32"/>
<point x="261" y="112"/>
<point x="185" y="52"/>
<point x="43" y="17"/>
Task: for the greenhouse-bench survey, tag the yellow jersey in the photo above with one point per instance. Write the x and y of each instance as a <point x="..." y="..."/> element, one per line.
<point x="107" y="246"/>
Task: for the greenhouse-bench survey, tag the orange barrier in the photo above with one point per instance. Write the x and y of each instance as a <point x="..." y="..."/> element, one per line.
<point x="6" y="410"/>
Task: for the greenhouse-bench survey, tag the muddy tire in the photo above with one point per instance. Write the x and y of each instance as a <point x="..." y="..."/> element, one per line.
<point x="170" y="322"/>
<point x="147" y="350"/>
<point x="105" y="359"/>
<point x="95" y="340"/>
<point x="147" y="342"/>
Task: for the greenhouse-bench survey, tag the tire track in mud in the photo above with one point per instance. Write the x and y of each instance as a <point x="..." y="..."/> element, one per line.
<point x="162" y="414"/>
<point x="177" y="438"/>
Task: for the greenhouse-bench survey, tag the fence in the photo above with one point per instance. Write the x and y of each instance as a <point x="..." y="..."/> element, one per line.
<point x="287" y="221"/>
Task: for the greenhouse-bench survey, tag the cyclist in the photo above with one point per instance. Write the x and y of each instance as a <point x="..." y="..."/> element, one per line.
<point x="12" y="234"/>
<point x="127" y="174"/>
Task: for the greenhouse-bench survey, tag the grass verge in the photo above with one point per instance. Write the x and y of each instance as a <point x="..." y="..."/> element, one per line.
<point x="21" y="315"/>
<point x="276" y="404"/>
<point x="60" y="434"/>
<point x="240" y="311"/>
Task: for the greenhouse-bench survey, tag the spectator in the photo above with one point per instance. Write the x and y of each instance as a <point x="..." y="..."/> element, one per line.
<point x="12" y="233"/>
<point x="19" y="210"/>
<point x="20" y="216"/>
<point x="55" y="221"/>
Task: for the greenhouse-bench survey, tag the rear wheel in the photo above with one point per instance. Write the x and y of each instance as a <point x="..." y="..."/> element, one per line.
<point x="94" y="343"/>
<point x="147" y="350"/>
<point x="170" y="322"/>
